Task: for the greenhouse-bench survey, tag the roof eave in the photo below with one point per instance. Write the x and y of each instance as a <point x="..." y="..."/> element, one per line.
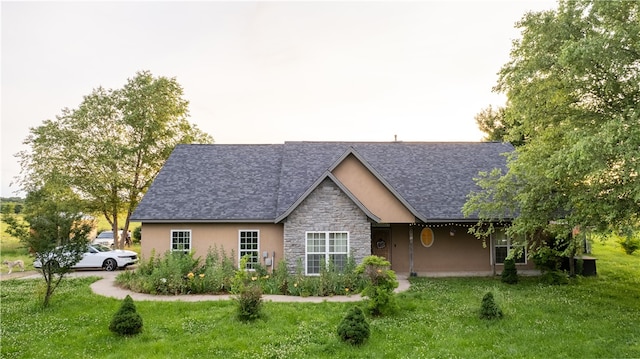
<point x="464" y="220"/>
<point x="245" y="220"/>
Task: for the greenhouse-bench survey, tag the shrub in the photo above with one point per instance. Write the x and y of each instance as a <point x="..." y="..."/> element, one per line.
<point x="510" y="272"/>
<point x="352" y="282"/>
<point x="137" y="234"/>
<point x="547" y="259"/>
<point x="630" y="244"/>
<point x="554" y="277"/>
<point x="126" y="321"/>
<point x="381" y="281"/>
<point x="354" y="328"/>
<point x="281" y="277"/>
<point x="249" y="303"/>
<point x="489" y="309"/>
<point x="249" y="293"/>
<point x="217" y="273"/>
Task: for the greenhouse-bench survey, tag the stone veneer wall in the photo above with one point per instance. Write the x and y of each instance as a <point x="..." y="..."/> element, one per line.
<point x="327" y="208"/>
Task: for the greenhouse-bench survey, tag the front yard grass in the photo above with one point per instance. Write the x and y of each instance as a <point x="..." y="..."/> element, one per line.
<point x="591" y="318"/>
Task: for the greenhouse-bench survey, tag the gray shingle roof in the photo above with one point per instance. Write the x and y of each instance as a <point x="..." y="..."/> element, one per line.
<point x="261" y="182"/>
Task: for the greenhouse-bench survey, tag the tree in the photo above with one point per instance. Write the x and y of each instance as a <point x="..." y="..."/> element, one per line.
<point x="572" y="88"/>
<point x="498" y="127"/>
<point x="54" y="229"/>
<point x="113" y="145"/>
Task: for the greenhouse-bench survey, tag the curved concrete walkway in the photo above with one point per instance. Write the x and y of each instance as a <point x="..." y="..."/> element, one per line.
<point x="107" y="287"/>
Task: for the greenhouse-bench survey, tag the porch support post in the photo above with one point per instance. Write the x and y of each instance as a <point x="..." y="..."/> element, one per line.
<point x="411" y="272"/>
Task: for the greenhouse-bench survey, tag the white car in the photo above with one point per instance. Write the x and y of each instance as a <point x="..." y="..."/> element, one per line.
<point x="105" y="238"/>
<point x="98" y="256"/>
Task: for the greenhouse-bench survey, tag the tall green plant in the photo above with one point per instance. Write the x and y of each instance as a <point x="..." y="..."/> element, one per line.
<point x="380" y="286"/>
<point x="248" y="296"/>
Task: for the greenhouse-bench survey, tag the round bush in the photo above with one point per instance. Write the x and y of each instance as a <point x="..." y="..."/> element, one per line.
<point x="354" y="328"/>
<point x="489" y="309"/>
<point x="126" y="321"/>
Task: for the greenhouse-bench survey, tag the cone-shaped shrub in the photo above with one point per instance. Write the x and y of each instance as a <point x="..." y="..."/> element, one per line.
<point x="510" y="272"/>
<point x="354" y="328"/>
<point x="126" y="321"/>
<point x="489" y="309"/>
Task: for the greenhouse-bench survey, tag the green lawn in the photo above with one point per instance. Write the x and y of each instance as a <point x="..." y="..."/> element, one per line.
<point x="589" y="318"/>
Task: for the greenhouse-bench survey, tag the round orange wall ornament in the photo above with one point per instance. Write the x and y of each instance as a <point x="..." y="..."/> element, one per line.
<point x="426" y="237"/>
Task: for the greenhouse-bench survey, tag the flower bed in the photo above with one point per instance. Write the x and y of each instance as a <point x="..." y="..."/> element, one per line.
<point x="178" y="274"/>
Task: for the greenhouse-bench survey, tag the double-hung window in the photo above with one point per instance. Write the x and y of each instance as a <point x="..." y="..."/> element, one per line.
<point x="326" y="247"/>
<point x="250" y="247"/>
<point x="503" y="247"/>
<point x="181" y="240"/>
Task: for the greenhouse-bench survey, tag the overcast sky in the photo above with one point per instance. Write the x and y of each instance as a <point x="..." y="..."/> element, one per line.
<point x="265" y="72"/>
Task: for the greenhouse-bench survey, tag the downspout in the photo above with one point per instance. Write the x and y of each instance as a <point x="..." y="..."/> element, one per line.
<point x="411" y="272"/>
<point x="491" y="254"/>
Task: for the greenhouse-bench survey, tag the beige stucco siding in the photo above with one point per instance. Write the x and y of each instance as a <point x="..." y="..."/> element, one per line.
<point x="371" y="192"/>
<point x="448" y="254"/>
<point x="461" y="252"/>
<point x="204" y="236"/>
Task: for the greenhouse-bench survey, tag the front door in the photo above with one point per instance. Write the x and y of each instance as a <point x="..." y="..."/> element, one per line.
<point x="381" y="242"/>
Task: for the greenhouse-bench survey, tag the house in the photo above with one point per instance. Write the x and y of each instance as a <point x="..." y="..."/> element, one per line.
<point x="309" y="202"/>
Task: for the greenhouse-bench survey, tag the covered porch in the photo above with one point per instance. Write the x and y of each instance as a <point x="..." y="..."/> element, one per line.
<point x="436" y="250"/>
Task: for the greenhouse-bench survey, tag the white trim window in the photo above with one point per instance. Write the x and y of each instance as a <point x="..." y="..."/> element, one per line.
<point x="503" y="247"/>
<point x="181" y="240"/>
<point x="324" y="247"/>
<point x="249" y="245"/>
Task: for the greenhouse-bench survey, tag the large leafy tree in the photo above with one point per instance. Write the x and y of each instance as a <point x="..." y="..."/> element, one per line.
<point x="573" y="88"/>
<point x="54" y="228"/>
<point x="110" y="148"/>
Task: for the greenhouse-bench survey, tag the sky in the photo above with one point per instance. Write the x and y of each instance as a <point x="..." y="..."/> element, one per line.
<point x="264" y="72"/>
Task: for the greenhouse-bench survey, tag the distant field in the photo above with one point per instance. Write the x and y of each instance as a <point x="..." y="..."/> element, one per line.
<point x="103" y="225"/>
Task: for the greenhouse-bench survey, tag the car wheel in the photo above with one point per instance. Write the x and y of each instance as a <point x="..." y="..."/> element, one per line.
<point x="110" y="265"/>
